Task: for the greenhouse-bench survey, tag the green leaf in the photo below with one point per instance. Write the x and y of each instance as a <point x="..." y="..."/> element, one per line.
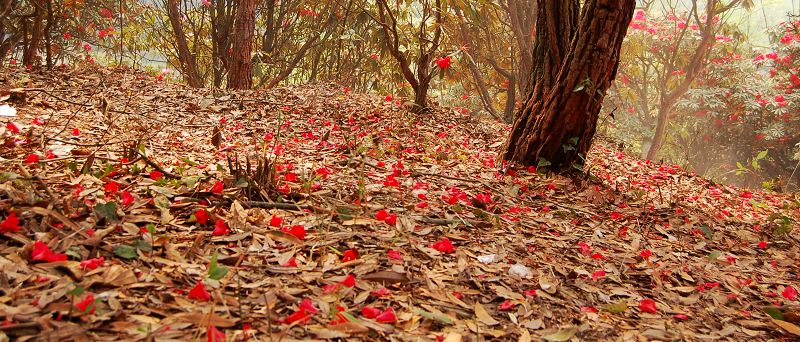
<point x="126" y="252"/>
<point x="707" y="232"/>
<point x="215" y="270"/>
<point x="774" y="312"/>
<point x="151" y="229"/>
<point x="618" y="307"/>
<point x="562" y="334"/>
<point x="162" y="201"/>
<point x="74" y="252"/>
<point x="107" y="211"/>
<point x="714" y="255"/>
<point x="144" y="246"/>
<point x="762" y="154"/>
<point x="444" y="319"/>
<point x="190" y="181"/>
<point x="189" y="162"/>
<point x="77" y="291"/>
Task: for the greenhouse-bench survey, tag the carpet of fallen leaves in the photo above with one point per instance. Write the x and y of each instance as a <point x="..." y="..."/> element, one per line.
<point x="122" y="219"/>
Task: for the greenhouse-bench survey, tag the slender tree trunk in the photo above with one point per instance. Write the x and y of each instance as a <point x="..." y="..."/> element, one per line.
<point x="30" y="54"/>
<point x="511" y="101"/>
<point x="188" y="67"/>
<point x="575" y="60"/>
<point x="240" y="74"/>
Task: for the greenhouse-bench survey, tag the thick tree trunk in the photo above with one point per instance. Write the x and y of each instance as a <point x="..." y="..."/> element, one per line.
<point x="188" y="66"/>
<point x="574" y="64"/>
<point x="29" y="56"/>
<point x="240" y="74"/>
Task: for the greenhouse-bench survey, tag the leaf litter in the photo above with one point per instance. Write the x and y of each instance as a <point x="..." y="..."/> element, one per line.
<point x="156" y="211"/>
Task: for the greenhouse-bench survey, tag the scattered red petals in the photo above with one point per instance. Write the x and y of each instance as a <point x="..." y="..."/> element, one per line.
<point x="308" y="306"/>
<point x="301" y="317"/>
<point x="394" y="255"/>
<point x="507" y="305"/>
<point x="156" y="175"/>
<point x="214" y="335"/>
<point x="42" y="252"/>
<point x="12" y="127"/>
<point x="387" y="316"/>
<point x="127" y="198"/>
<point x="199" y="292"/>
<point x="647" y="305"/>
<point x="444" y="245"/>
<point x="370" y="312"/>
<point x="298" y="231"/>
<point x="201" y="216"/>
<point x="349" y="255"/>
<point x="275" y="221"/>
<point x="789" y="293"/>
<point x="10" y="224"/>
<point x="349" y="281"/>
<point x="220" y="228"/>
<point x="217" y="188"/>
<point x="32" y="159"/>
<point x="86" y="304"/>
<point x="92" y="264"/>
<point x="646" y="254"/>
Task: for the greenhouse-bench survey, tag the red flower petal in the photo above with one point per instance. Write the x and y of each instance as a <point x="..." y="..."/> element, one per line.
<point x="217" y="188"/>
<point x="370" y="312"/>
<point x="87" y="304"/>
<point x="201" y="216"/>
<point x="349" y="255"/>
<point x="381" y="215"/>
<point x="387" y="316"/>
<point x="127" y="198"/>
<point x="444" y="245"/>
<point x="214" y="335"/>
<point x="507" y="305"/>
<point x="307" y="306"/>
<point x="32" y="158"/>
<point x="199" y="292"/>
<point x="349" y="281"/>
<point x="220" y="228"/>
<point x="394" y="255"/>
<point x="789" y="293"/>
<point x="92" y="264"/>
<point x="275" y="221"/>
<point x="297" y="230"/>
<point x="300" y="317"/>
<point x="156" y="175"/>
<point x="10" y="224"/>
<point x="648" y="305"/>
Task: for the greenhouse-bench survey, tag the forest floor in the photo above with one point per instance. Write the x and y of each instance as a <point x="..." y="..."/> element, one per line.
<point x="368" y="223"/>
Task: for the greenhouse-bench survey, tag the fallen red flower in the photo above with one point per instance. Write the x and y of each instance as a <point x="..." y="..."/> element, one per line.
<point x="349" y="255"/>
<point x="387" y="316"/>
<point x="214" y="335"/>
<point x="87" y="304"/>
<point x="199" y="292"/>
<point x="42" y="252"/>
<point x="444" y="245"/>
<point x="10" y="224"/>
<point x="220" y="228"/>
<point x="370" y="312"/>
<point x="648" y="305"/>
<point x="297" y="230"/>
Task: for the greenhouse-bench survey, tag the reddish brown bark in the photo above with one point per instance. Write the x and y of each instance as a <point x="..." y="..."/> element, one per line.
<point x="570" y="79"/>
<point x="29" y="56"/>
<point x="240" y="73"/>
<point x="185" y="57"/>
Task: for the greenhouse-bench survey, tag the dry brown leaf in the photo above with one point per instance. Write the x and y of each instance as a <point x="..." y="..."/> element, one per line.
<point x="483" y="316"/>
